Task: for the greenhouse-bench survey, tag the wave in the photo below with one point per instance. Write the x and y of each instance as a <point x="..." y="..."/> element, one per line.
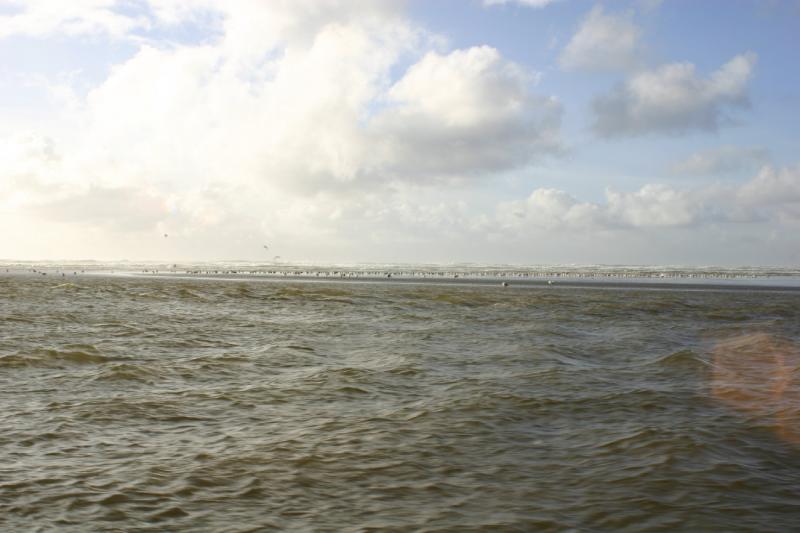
<point x="681" y="358"/>
<point x="42" y="357"/>
<point x="127" y="372"/>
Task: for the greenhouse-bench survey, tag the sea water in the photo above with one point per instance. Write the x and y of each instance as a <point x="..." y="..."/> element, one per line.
<point x="246" y="397"/>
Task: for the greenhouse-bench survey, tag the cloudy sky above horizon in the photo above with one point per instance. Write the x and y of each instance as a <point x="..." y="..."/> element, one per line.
<point x="493" y="131"/>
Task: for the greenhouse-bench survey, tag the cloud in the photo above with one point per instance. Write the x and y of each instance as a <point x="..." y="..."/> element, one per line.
<point x="289" y="110"/>
<point x="722" y="160"/>
<point x="299" y="124"/>
<point x="123" y="208"/>
<point x="39" y="18"/>
<point x="551" y="209"/>
<point x="773" y="192"/>
<point x="328" y="129"/>
<point x="772" y="195"/>
<point x="652" y="206"/>
<point x="247" y="26"/>
<point x="603" y="42"/>
<point x="672" y="99"/>
<point x="318" y="113"/>
<point x="466" y="113"/>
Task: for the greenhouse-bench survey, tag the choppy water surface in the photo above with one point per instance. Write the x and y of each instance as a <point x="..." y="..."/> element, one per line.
<point x="170" y="404"/>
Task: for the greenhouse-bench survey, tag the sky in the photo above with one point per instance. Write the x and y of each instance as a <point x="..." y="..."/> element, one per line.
<point x="447" y="131"/>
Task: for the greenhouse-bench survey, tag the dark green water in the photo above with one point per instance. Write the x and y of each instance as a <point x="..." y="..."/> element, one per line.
<point x="156" y="404"/>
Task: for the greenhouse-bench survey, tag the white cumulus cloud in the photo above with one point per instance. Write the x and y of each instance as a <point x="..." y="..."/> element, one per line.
<point x="773" y="192"/>
<point x="291" y="121"/>
<point x="549" y="208"/>
<point x="772" y="195"/>
<point x="340" y="130"/>
<point x="673" y="99"/>
<point x="653" y="205"/>
<point x="603" y="42"/>
<point x="465" y="113"/>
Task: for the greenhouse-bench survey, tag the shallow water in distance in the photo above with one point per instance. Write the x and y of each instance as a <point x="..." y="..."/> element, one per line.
<point x="165" y="404"/>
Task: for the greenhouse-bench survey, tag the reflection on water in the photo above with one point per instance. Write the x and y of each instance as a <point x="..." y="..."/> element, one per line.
<point x="154" y="404"/>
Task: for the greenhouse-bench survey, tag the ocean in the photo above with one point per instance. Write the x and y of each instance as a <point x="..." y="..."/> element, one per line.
<point x="242" y="397"/>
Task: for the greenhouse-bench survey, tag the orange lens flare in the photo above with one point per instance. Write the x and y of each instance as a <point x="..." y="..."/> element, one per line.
<point x="758" y="374"/>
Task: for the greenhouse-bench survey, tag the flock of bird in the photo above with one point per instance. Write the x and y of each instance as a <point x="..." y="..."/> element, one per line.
<point x="504" y="275"/>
